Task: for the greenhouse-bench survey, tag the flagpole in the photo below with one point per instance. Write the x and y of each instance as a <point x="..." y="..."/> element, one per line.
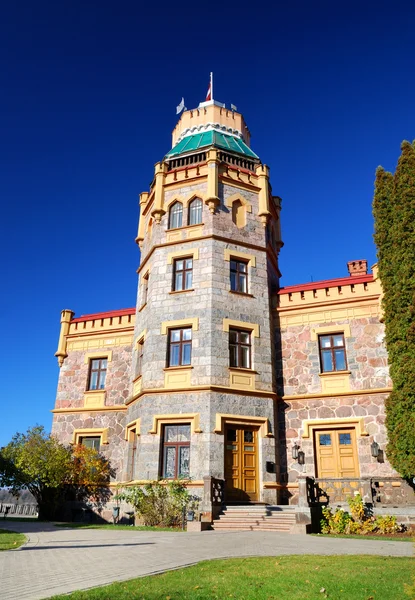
<point x="211" y="85"/>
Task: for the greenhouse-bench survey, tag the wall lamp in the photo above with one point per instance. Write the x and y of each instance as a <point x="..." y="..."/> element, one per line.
<point x="374" y="449"/>
<point x="298" y="454"/>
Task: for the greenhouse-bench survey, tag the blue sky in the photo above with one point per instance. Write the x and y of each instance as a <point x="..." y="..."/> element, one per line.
<point x="88" y="92"/>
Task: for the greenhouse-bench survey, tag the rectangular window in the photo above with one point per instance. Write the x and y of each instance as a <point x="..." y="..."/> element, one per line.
<point x="145" y="289"/>
<point x="332" y="352"/>
<point x="176" y="451"/>
<point x="91" y="442"/>
<point x="97" y="374"/>
<point x="239" y="276"/>
<point x="240" y="348"/>
<point x="140" y="351"/>
<point x="132" y="453"/>
<point x="180" y="347"/>
<point x="182" y="274"/>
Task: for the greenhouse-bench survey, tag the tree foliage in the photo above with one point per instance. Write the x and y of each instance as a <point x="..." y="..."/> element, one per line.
<point x="394" y="212"/>
<point x="51" y="471"/>
<point x="160" y="503"/>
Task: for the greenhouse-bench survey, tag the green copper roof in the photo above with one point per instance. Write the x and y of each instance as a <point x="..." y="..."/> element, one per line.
<point x="211" y="138"/>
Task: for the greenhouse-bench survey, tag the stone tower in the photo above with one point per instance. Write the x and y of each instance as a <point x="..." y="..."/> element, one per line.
<point x="203" y="389"/>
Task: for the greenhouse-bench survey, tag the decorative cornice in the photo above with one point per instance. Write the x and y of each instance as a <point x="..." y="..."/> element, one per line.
<point x="203" y="127"/>
<point x="386" y="390"/>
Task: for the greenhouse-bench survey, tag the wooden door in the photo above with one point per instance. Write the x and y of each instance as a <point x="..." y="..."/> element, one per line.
<point x="241" y="464"/>
<point x="336" y="453"/>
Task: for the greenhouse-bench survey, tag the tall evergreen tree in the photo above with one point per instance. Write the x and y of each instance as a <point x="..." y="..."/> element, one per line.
<point x="394" y="212"/>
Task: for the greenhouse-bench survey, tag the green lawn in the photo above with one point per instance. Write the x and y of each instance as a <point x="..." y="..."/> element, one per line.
<point x="270" y="578"/>
<point x="10" y="540"/>
<point x="114" y="527"/>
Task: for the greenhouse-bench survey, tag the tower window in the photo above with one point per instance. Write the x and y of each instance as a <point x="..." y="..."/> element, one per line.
<point x="195" y="212"/>
<point x="240" y="348"/>
<point x="176" y="215"/>
<point x="97" y="374"/>
<point x="239" y="276"/>
<point x="332" y="352"/>
<point x="140" y="353"/>
<point x="182" y="274"/>
<point x="180" y="347"/>
<point x="176" y="451"/>
<point x="238" y="214"/>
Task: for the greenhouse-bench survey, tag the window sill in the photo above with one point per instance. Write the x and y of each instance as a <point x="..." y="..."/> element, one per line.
<point x="185" y="227"/>
<point x="241" y="294"/>
<point x="181" y="291"/>
<point x="95" y="391"/>
<point x="178" y="368"/>
<point x="243" y="369"/>
<point x="142" y="306"/>
<point x="331" y="373"/>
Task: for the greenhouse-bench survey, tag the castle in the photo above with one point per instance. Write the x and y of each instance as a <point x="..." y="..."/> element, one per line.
<point x="218" y="374"/>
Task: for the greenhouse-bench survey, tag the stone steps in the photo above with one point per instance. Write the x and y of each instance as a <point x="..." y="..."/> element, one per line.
<point x="255" y="518"/>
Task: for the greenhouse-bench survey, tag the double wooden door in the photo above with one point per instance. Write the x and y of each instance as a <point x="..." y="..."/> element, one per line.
<point x="241" y="464"/>
<point x="336" y="453"/>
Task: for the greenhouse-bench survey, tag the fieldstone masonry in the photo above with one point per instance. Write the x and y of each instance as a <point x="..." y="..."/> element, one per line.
<point x="286" y="389"/>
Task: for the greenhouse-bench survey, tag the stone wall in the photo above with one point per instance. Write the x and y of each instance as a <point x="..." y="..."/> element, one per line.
<point x="73" y="378"/>
<point x="64" y="425"/>
<point x="298" y="361"/>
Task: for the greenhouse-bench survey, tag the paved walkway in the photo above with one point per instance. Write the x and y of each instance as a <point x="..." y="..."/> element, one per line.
<point x="60" y="560"/>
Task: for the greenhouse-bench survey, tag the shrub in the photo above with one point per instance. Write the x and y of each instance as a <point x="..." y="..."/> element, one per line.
<point x="160" y="503"/>
<point x="359" y="522"/>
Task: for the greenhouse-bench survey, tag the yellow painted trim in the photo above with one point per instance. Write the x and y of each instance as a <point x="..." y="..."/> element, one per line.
<point x="203" y="388"/>
<point x="176" y="378"/>
<point x="187" y="483"/>
<point x="231" y="199"/>
<point x="385" y="390"/>
<point x="220" y="238"/>
<point x="137" y="385"/>
<point x="254" y="327"/>
<point x="269" y="485"/>
<point x="184" y="199"/>
<point x="169" y="419"/>
<point x="183" y="253"/>
<point x="141" y="337"/>
<point x="79" y="433"/>
<point x="90" y="409"/>
<point x="335" y="381"/>
<point x="311" y="424"/>
<point x="66" y="318"/>
<point x="104" y="354"/>
<point x="242" y="379"/>
<point x="236" y="254"/>
<point x="192" y="322"/>
<point x="223" y="419"/>
<point x="94" y="398"/>
<point x="343" y="328"/>
<point x="132" y="425"/>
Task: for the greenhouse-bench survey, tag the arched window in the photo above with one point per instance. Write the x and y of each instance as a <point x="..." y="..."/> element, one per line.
<point x="195" y="212"/>
<point x="238" y="213"/>
<point x="176" y="215"/>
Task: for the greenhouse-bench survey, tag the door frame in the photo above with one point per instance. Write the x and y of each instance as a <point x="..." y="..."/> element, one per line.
<point x="244" y="427"/>
<point x="330" y="428"/>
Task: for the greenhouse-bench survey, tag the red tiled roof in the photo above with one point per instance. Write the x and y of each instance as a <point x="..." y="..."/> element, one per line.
<point x="318" y="285"/>
<point x="105" y="315"/>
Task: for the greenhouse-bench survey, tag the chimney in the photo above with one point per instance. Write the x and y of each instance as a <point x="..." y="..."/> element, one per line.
<point x="357" y="267"/>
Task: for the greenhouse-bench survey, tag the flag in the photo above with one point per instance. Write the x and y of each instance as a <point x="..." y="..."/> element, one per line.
<point x="180" y="107"/>
<point x="209" y="92"/>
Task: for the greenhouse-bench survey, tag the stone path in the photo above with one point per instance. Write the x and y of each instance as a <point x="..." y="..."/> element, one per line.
<point x="60" y="560"/>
